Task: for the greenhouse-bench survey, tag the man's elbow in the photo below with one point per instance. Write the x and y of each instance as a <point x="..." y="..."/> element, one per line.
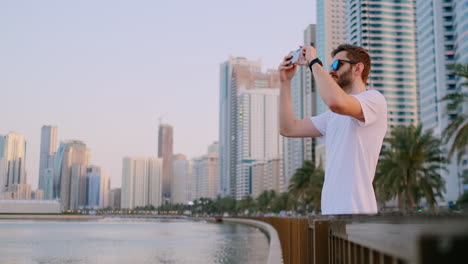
<point x="284" y="132"/>
<point x="336" y="107"/>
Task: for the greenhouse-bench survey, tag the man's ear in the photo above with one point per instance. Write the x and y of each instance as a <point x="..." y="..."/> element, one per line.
<point x="359" y="68"/>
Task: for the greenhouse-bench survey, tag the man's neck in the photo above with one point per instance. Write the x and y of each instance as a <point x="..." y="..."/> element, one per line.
<point x="356" y="88"/>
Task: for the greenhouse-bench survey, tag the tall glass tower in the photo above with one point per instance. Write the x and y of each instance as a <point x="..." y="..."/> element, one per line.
<point x="387" y="30"/>
<point x="236" y="74"/>
<point x="166" y="152"/>
<point x="442" y="40"/>
<point x="12" y="160"/>
<point x="46" y="158"/>
<point x="330" y="32"/>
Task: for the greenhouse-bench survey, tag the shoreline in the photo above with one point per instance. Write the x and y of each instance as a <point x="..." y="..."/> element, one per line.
<point x="49" y="217"/>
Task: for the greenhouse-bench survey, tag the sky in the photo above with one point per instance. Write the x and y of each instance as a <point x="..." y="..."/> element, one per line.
<point x="106" y="71"/>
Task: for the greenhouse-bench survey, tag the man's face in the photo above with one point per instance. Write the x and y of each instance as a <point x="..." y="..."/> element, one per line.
<point x="343" y="76"/>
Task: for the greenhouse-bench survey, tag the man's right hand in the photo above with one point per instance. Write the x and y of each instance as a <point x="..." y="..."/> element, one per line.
<point x="287" y="69"/>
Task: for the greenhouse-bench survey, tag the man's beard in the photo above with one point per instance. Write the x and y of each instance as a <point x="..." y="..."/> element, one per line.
<point x="345" y="80"/>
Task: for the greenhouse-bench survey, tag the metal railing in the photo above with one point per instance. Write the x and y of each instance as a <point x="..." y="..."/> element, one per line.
<point x="372" y="239"/>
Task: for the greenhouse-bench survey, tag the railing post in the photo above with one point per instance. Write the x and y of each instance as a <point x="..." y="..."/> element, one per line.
<point x="442" y="249"/>
<point x="321" y="235"/>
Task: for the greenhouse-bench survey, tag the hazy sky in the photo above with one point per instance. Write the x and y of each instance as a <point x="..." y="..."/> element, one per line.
<point x="104" y="71"/>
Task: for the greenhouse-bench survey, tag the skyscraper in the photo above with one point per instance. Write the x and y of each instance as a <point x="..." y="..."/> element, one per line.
<point x="330" y="32"/>
<point x="70" y="169"/>
<point x="235" y="74"/>
<point x="141" y="182"/>
<point x="205" y="176"/>
<point x="115" y="198"/>
<point x="12" y="160"/>
<point x="442" y="40"/>
<point x="46" y="158"/>
<point x="213" y="147"/>
<point x="165" y="151"/>
<point x="182" y="180"/>
<point x="104" y="192"/>
<point x="93" y="182"/>
<point x="98" y="187"/>
<point x="267" y="176"/>
<point x="387" y="30"/>
<point x="48" y="183"/>
<point x="257" y="133"/>
<point x="309" y="94"/>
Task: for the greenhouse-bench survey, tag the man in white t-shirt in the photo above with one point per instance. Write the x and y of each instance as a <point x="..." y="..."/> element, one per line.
<point x="353" y="128"/>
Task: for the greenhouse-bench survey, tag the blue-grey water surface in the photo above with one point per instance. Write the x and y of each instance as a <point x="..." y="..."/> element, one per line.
<point x="132" y="241"/>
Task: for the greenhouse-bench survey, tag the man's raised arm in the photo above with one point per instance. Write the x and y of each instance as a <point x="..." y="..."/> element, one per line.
<point x="289" y="126"/>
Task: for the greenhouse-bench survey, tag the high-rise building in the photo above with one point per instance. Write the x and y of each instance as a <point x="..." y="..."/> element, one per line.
<point x="115" y="198"/>
<point x="303" y="99"/>
<point x="37" y="194"/>
<point x="70" y="174"/>
<point x="309" y="94"/>
<point x="93" y="180"/>
<point x="213" y="147"/>
<point x="182" y="180"/>
<point x="442" y="40"/>
<point x="387" y="30"/>
<point x="205" y="176"/>
<point x="46" y="158"/>
<point x="18" y="191"/>
<point x="104" y="197"/>
<point x="141" y="182"/>
<point x="155" y="174"/>
<point x="236" y="74"/>
<point x="267" y="176"/>
<point x="165" y="151"/>
<point x="48" y="183"/>
<point x="3" y="164"/>
<point x="330" y="33"/>
<point x="13" y="156"/>
<point x="98" y="187"/>
<point x="258" y="135"/>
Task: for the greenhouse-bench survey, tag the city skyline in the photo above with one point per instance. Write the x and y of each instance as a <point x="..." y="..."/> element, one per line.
<point x="106" y="79"/>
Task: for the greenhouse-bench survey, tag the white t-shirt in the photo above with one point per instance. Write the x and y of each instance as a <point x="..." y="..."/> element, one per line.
<point x="352" y="151"/>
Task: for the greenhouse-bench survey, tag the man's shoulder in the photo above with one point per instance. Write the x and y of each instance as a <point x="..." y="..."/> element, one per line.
<point x="372" y="96"/>
<point x="371" y="93"/>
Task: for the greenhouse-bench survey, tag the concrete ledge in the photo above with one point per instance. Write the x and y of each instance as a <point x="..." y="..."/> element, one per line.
<point x="275" y="254"/>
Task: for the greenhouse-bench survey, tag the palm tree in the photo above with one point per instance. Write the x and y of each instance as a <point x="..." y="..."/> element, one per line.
<point x="306" y="184"/>
<point x="265" y="200"/>
<point x="300" y="180"/>
<point x="224" y="205"/>
<point x="246" y="204"/>
<point x="284" y="201"/>
<point x="409" y="168"/>
<point x="314" y="190"/>
<point x="458" y="126"/>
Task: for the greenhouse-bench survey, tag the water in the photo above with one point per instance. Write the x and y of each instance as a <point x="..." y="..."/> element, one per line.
<point x="129" y="241"/>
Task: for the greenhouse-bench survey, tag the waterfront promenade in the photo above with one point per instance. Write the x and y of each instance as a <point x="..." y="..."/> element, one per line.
<point x="339" y="239"/>
<point x="372" y="239"/>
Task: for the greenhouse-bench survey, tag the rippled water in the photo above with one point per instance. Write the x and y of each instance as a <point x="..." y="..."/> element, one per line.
<point x="129" y="241"/>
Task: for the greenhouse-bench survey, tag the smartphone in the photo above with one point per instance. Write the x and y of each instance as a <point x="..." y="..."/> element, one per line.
<point x="295" y="55"/>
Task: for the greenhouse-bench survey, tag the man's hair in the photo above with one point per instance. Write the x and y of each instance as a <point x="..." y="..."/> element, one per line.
<point x="357" y="54"/>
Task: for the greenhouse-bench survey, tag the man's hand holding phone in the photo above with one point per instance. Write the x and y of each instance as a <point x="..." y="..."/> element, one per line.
<point x="308" y="53"/>
<point x="288" y="66"/>
<point x="301" y="56"/>
<point x="295" y="56"/>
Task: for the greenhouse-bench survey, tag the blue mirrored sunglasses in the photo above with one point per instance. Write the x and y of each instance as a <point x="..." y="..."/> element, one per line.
<point x="337" y="63"/>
